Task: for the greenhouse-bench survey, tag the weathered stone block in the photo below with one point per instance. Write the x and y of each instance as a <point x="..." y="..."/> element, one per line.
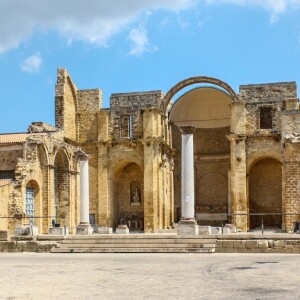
<point x="216" y="230"/>
<point x="59" y="230"/>
<point x="251" y="245"/>
<point x="4" y="235"/>
<point x="240" y="244"/>
<point x="31" y="247"/>
<point x="122" y="229"/>
<point x="226" y="230"/>
<point x="26" y="230"/>
<point x="230" y="227"/>
<point x="104" y="230"/>
<point x="204" y="229"/>
<point x="263" y="244"/>
<point x="278" y="244"/>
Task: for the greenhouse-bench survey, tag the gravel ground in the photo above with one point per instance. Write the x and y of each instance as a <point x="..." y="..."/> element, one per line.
<point x="149" y="276"/>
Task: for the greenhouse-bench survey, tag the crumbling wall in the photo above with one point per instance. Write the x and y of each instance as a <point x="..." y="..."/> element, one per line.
<point x="66" y="105"/>
<point x="126" y="119"/>
<point x="260" y="96"/>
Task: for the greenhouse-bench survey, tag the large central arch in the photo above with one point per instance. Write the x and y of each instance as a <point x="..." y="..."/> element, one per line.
<point x="208" y="109"/>
<point x="194" y="80"/>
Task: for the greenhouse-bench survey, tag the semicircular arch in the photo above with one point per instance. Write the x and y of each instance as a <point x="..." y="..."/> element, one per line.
<point x="117" y="168"/>
<point x="259" y="157"/>
<point x="198" y="79"/>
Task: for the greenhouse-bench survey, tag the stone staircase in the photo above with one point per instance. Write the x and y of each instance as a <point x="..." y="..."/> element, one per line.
<point x="134" y="243"/>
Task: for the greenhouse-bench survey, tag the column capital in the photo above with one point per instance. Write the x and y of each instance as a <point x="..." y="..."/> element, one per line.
<point x="82" y="155"/>
<point x="187" y="129"/>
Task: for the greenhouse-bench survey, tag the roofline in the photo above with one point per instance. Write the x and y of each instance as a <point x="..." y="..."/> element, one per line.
<point x="138" y="93"/>
<point x="266" y="84"/>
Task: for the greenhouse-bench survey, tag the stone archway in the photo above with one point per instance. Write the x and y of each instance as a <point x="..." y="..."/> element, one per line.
<point x="33" y="204"/>
<point x="265" y="193"/>
<point x="194" y="80"/>
<point x="128" y="196"/>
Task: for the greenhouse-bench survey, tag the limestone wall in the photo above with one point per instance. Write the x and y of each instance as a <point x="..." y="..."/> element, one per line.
<point x="5" y="192"/>
<point x="259" y="96"/>
<point x="9" y="155"/>
<point x="89" y="103"/>
<point x="268" y="92"/>
<point x="126" y="118"/>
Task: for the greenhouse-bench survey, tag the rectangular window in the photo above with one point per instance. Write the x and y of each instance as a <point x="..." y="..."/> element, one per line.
<point x="126" y="126"/>
<point x="265" y="117"/>
<point x="117" y="126"/>
<point x="29" y="202"/>
<point x="7" y="174"/>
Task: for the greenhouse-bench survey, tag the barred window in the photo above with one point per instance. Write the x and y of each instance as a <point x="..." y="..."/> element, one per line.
<point x="10" y="174"/>
<point x="266" y="117"/>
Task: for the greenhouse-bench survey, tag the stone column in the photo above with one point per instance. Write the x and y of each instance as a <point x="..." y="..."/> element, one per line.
<point x="84" y="227"/>
<point x="188" y="224"/>
<point x="238" y="182"/>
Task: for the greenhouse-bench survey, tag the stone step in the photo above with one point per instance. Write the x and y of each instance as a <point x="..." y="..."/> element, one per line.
<point x="141" y="241"/>
<point x="133" y="250"/>
<point x="136" y="236"/>
<point x="136" y="245"/>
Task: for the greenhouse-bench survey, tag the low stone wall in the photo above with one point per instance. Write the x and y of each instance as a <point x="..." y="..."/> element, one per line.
<point x="258" y="246"/>
<point x="27" y="243"/>
<point x="27" y="246"/>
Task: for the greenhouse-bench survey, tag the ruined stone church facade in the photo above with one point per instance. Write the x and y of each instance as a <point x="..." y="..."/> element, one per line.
<point x="245" y="159"/>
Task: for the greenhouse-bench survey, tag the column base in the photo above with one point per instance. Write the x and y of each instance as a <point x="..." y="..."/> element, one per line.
<point x="84" y="229"/>
<point x="188" y="227"/>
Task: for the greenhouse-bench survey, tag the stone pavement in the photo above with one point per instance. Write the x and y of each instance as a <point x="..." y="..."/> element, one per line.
<point x="149" y="276"/>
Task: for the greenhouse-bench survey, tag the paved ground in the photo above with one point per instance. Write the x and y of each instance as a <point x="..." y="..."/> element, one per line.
<point x="149" y="276"/>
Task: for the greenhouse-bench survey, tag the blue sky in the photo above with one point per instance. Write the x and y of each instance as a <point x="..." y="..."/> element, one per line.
<point x="135" y="45"/>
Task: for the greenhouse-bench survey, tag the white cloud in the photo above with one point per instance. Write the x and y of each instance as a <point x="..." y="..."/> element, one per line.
<point x="275" y="7"/>
<point x="96" y="21"/>
<point x="138" y="36"/>
<point x="91" y="21"/>
<point x="32" y="64"/>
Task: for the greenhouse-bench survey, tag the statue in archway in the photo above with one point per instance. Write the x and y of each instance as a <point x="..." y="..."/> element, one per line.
<point x="136" y="199"/>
